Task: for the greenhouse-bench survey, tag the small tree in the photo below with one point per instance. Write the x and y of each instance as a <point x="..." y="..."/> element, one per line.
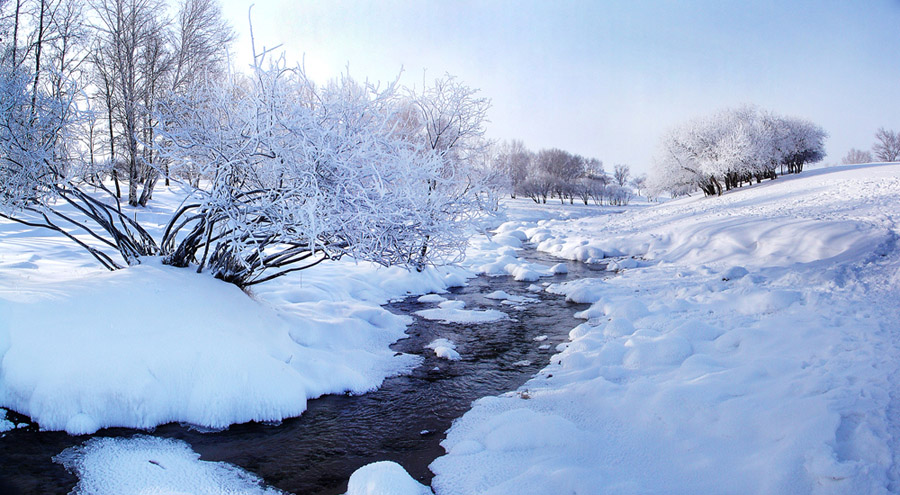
<point x="855" y="156"/>
<point x="514" y="161"/>
<point x="887" y="145"/>
<point x="639" y="183"/>
<point x="621" y="173"/>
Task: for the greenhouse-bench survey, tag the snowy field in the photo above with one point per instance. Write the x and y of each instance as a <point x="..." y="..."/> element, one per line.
<point x="747" y="346"/>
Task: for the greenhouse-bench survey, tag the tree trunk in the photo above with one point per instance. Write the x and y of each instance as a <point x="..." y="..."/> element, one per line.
<point x="15" y="40"/>
<point x="37" y="59"/>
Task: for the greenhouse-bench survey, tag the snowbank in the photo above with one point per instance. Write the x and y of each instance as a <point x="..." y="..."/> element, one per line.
<point x="752" y="352"/>
<point x="154" y="344"/>
<point x="83" y="349"/>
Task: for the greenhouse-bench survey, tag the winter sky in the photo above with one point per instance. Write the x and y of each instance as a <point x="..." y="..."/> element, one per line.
<point x="606" y="78"/>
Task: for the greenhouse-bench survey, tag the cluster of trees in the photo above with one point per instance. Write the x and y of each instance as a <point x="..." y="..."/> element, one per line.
<point x="279" y="173"/>
<point x="885" y="149"/>
<point x="114" y="61"/>
<point x="557" y="173"/>
<point x="731" y="147"/>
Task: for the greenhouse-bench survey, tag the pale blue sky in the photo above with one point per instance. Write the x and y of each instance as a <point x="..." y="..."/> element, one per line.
<point x="605" y="79"/>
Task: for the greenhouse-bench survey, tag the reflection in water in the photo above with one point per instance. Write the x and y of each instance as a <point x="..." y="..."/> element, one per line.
<point x="403" y="421"/>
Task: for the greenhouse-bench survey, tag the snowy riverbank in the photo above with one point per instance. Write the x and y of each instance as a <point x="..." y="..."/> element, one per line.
<point x="752" y="351"/>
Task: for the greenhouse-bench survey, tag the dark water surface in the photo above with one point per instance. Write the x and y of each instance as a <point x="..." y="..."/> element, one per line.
<point x="403" y="421"/>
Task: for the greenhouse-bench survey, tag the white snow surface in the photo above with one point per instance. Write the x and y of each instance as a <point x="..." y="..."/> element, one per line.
<point x="751" y="349"/>
<point x="144" y="464"/>
<point x="384" y="478"/>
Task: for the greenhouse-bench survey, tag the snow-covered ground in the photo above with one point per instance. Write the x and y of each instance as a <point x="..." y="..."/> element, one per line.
<point x="82" y="348"/>
<point x="747" y="346"/>
<point x="751" y="349"/>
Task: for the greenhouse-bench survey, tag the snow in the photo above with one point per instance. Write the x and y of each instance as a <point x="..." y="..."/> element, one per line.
<point x="506" y="298"/>
<point x="455" y="312"/>
<point x="5" y="424"/>
<point x="145" y="464"/>
<point x="444" y="349"/>
<point x="384" y="478"/>
<point x="431" y="298"/>
<point x="749" y="347"/>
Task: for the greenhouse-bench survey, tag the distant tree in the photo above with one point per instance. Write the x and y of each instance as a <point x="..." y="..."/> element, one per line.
<point x="617" y="195"/>
<point x="201" y="39"/>
<point x="639" y="183"/>
<point x="621" y="173"/>
<point x="561" y="169"/>
<point x="514" y="161"/>
<point x="130" y="37"/>
<point x="855" y="156"/>
<point x="887" y="145"/>
<point x="593" y="167"/>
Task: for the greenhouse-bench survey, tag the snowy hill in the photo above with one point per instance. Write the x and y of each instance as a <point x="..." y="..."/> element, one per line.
<point x="751" y="349"/>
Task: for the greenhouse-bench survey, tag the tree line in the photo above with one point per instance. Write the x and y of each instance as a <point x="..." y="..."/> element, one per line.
<point x="558" y="173"/>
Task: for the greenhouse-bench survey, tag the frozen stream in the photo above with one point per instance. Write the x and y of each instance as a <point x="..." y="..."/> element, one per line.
<point x="403" y="421"/>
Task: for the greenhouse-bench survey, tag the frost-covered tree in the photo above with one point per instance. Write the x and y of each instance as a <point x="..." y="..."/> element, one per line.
<point x="514" y="160"/>
<point x="639" y="183"/>
<point x="43" y="183"/>
<point x="294" y="180"/>
<point x="292" y="174"/>
<point x="732" y="147"/>
<point x="131" y="43"/>
<point x="855" y="156"/>
<point x="887" y="145"/>
<point x="451" y="119"/>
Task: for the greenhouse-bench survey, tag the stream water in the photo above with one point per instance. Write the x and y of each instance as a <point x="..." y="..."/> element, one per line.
<point x="403" y="421"/>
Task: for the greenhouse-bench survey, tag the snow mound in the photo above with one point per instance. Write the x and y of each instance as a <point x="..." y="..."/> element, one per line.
<point x="445" y="349"/>
<point x="431" y="298"/>
<point x="384" y="478"/>
<point x="5" y="424"/>
<point x="144" y="464"/>
<point x="153" y="344"/>
<point x="560" y="268"/>
<point x="510" y="299"/>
